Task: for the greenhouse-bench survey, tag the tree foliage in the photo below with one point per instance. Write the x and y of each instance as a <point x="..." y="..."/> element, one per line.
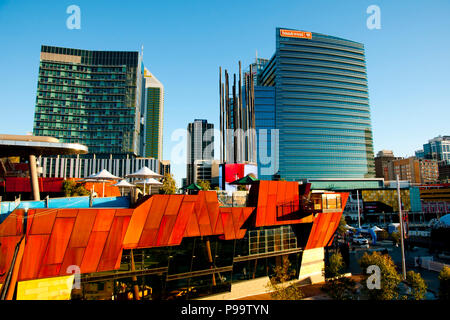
<point x="204" y="184"/>
<point x="341" y="229"/>
<point x="169" y="186"/>
<point x="340" y="288"/>
<point x="334" y="265"/>
<point x="416" y="284"/>
<point x="444" y="283"/>
<point x="73" y="189"/>
<point x="390" y="279"/>
<point x="279" y="287"/>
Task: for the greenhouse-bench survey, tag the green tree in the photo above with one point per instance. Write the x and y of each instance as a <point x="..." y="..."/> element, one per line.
<point x="279" y="287"/>
<point x="389" y="277"/>
<point x="334" y="265"/>
<point x="341" y="229"/>
<point x="417" y="285"/>
<point x="169" y="186"/>
<point x="444" y="283"/>
<point x="342" y="288"/>
<point x="204" y="184"/>
<point x="73" y="189"/>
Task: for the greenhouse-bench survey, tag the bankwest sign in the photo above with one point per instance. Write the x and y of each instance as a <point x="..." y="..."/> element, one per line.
<point x="295" y="34"/>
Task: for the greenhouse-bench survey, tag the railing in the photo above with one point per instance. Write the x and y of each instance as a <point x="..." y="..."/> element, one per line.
<point x="232" y="199"/>
<point x="429" y="264"/>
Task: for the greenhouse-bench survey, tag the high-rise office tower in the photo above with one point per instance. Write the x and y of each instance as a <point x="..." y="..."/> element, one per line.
<point x="438" y="149"/>
<point x="200" y="145"/>
<point x="154" y="109"/>
<point x="314" y="92"/>
<point x="92" y="98"/>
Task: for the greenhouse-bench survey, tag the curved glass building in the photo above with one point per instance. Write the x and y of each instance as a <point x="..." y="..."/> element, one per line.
<point x="321" y="106"/>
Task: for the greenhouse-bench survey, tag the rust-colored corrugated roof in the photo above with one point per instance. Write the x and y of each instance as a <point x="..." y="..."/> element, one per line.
<point x="94" y="239"/>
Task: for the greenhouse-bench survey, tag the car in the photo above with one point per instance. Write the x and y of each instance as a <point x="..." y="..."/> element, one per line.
<point x="360" y="240"/>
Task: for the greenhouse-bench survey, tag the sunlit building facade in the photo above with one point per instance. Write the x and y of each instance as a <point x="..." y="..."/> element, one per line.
<point x="321" y="106"/>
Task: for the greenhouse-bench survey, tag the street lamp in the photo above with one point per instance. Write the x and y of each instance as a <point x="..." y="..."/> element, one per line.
<point x="401" y="229"/>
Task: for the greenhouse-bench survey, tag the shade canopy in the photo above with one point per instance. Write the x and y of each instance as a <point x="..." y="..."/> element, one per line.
<point x="24" y="145"/>
<point x="104" y="175"/>
<point x="149" y="181"/>
<point x="144" y="173"/>
<point x="445" y="219"/>
<point x="124" y="184"/>
<point x="193" y="186"/>
<point x="248" y="179"/>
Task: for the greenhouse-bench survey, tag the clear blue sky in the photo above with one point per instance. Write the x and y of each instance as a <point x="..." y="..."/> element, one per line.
<point x="185" y="42"/>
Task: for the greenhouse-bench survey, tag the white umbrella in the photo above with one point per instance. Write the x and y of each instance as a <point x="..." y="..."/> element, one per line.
<point x="103" y="176"/>
<point x="149" y="181"/>
<point x="144" y="173"/>
<point x="124" y="184"/>
<point x="375" y="228"/>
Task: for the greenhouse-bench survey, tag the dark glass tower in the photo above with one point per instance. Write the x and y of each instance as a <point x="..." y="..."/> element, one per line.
<point x="92" y="98"/>
<point x="320" y="106"/>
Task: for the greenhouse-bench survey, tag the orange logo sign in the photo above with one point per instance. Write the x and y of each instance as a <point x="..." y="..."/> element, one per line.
<point x="295" y="34"/>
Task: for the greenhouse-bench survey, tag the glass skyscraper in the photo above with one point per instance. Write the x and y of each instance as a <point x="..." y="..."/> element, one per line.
<point x="91" y="97"/>
<point x="200" y="145"/>
<point x="154" y="109"/>
<point x="320" y="106"/>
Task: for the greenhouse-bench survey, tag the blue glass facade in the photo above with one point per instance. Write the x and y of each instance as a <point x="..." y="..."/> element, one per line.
<point x="92" y="98"/>
<point x="321" y="107"/>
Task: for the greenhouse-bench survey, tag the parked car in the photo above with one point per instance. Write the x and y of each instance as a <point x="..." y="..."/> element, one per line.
<point x="360" y="240"/>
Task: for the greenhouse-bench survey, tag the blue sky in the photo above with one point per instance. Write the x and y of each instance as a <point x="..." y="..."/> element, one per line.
<point x="185" y="42"/>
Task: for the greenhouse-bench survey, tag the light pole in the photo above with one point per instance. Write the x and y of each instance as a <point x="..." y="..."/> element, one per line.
<point x="401" y="229"/>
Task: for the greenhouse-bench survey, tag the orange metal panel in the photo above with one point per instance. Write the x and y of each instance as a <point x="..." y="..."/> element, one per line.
<point x="179" y="228"/>
<point x="32" y="257"/>
<point x="262" y="203"/>
<point x="124" y="212"/>
<point x="103" y="220"/>
<point x="59" y="238"/>
<point x="67" y="213"/>
<point x="165" y="230"/>
<point x="212" y="205"/>
<point x="148" y="238"/>
<point x="312" y="234"/>
<point x="237" y="218"/>
<point x="227" y="220"/>
<point x="202" y="215"/>
<point x="15" y="271"/>
<point x="136" y="224"/>
<point x="332" y="226"/>
<point x="7" y="248"/>
<point x="271" y="211"/>
<point x="323" y="228"/>
<point x="156" y="211"/>
<point x="174" y="204"/>
<point x="282" y="190"/>
<point x="82" y="228"/>
<point x="13" y="224"/>
<point x="113" y="244"/>
<point x="43" y="220"/>
<point x="50" y="270"/>
<point x="93" y="252"/>
<point x="73" y="257"/>
<point x="192" y="227"/>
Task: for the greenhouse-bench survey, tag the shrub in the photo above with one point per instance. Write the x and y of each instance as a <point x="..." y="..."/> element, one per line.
<point x="444" y="283"/>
